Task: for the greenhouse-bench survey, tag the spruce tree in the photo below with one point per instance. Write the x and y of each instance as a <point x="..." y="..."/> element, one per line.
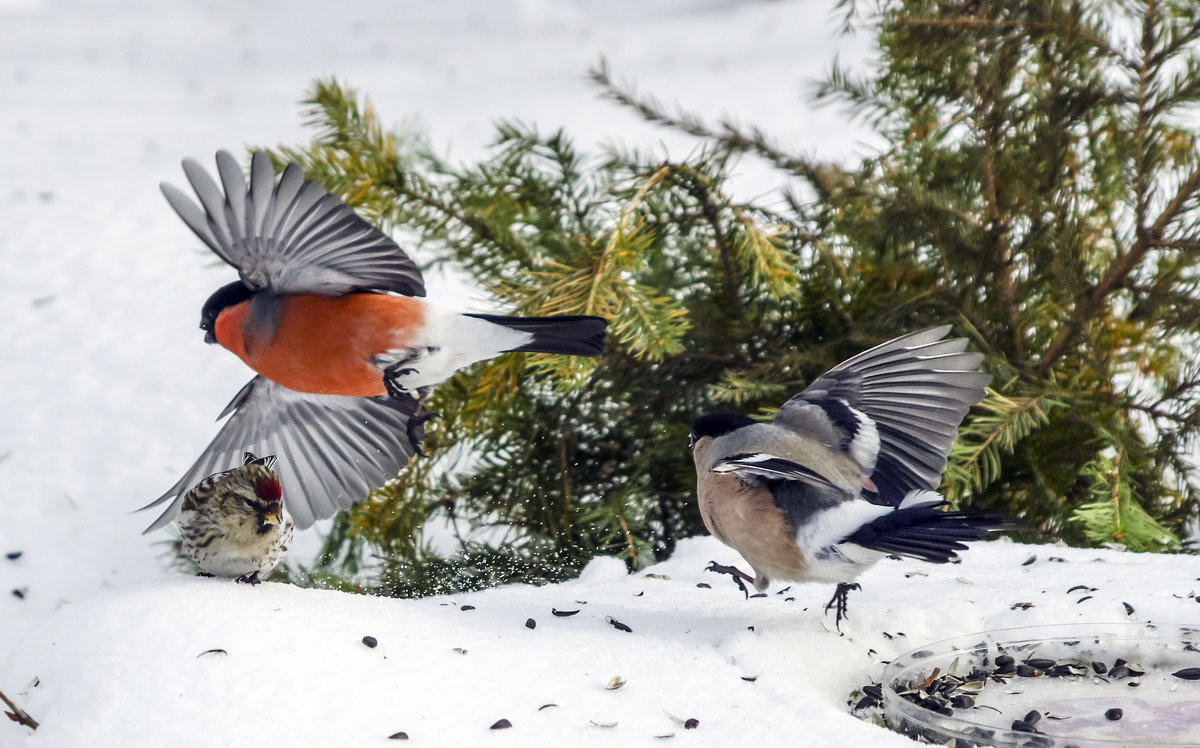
<point x="1038" y="192"/>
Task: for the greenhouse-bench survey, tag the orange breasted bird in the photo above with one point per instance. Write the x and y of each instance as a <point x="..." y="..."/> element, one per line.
<point x="327" y="313"/>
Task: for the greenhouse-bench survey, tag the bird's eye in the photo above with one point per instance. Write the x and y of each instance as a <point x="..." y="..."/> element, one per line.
<point x="249" y="503"/>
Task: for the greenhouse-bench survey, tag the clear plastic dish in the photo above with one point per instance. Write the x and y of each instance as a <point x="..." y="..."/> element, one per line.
<point x="1092" y="686"/>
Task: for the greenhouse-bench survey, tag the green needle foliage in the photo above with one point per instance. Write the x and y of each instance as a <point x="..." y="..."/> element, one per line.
<point x="1038" y="190"/>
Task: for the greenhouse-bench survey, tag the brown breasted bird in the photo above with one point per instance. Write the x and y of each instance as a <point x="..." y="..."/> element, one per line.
<point x="846" y="473"/>
<point x="234" y="524"/>
<point x="326" y="312"/>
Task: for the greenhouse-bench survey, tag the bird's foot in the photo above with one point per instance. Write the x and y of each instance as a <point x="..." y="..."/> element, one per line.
<point x="394" y="388"/>
<point x="416" y="428"/>
<point x="251" y="578"/>
<point x="733" y="571"/>
<point x="838" y="602"/>
<point x="204" y="574"/>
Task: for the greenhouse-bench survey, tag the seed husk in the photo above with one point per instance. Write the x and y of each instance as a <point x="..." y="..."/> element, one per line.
<point x="563" y="613"/>
<point x="1041" y="663"/>
<point x="530" y="623"/>
<point x="501" y="724"/>
<point x="617" y="624"/>
<point x="398" y="736"/>
<point x="1033" y="716"/>
<point x="1099" y="667"/>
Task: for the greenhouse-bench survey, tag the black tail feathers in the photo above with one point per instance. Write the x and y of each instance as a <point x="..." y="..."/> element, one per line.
<point x="926" y="531"/>
<point x="570" y="335"/>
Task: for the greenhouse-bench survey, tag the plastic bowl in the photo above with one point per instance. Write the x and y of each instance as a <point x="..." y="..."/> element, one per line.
<point x="1075" y="702"/>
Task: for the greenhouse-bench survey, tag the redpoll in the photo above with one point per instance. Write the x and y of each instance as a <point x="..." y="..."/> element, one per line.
<point x="234" y="523"/>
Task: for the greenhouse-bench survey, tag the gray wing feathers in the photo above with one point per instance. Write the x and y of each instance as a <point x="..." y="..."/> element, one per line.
<point x="332" y="449"/>
<point x="917" y="389"/>
<point x="292" y="236"/>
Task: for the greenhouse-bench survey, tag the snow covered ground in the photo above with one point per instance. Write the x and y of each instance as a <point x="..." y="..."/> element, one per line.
<point x="107" y="392"/>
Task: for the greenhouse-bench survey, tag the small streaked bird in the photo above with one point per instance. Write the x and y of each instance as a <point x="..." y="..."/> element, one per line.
<point x="326" y="313"/>
<point x="846" y="473"/>
<point x="234" y="524"/>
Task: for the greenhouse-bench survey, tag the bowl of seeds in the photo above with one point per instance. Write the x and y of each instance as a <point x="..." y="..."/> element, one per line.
<point x="1082" y="685"/>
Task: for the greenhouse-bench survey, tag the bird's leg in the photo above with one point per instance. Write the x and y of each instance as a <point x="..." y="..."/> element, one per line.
<point x="733" y="571"/>
<point x="251" y="578"/>
<point x="204" y="574"/>
<point x="838" y="602"/>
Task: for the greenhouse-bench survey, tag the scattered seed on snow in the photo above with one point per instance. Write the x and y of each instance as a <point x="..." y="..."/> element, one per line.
<point x="1114" y="714"/>
<point x="467" y="607"/>
<point x="212" y="652"/>
<point x="749" y="678"/>
<point x="530" y="623"/>
<point x="398" y="736"/>
<point x="460" y="650"/>
<point x="13" y="555"/>
<point x="563" y="613"/>
<point x="705" y="585"/>
<point x="501" y="724"/>
<point x="1128" y="609"/>
<point x="370" y="641"/>
<point x="615" y="682"/>
<point x="546" y="706"/>
<point x="1188" y="673"/>
<point x="602" y="724"/>
<point x="617" y="624"/>
<point x="1029" y="560"/>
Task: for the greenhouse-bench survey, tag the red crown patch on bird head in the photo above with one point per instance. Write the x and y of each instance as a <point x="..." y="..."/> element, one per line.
<point x="268" y="489"/>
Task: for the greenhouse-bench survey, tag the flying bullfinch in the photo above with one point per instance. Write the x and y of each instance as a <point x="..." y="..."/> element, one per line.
<point x="846" y="473"/>
<point x="327" y="313"/>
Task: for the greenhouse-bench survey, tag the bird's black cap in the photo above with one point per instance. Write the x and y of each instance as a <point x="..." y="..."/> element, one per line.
<point x="717" y="424"/>
<point x="225" y="296"/>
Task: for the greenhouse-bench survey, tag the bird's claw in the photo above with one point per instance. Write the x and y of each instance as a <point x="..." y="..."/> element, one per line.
<point x="733" y="571"/>
<point x="250" y="579"/>
<point x="838" y="602"/>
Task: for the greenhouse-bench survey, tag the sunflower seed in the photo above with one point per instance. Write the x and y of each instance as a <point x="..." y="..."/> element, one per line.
<point x="530" y="623"/>
<point x="617" y="624"/>
<point x="370" y="641"/>
<point x="615" y="682"/>
<point x="1041" y="663"/>
<point x="1114" y="714"/>
<point x="1128" y="609"/>
<point x="13" y="555"/>
<point x="691" y="724"/>
<point x="1100" y="667"/>
<point x="398" y="736"/>
<point x="563" y="613"/>
<point x="1032" y="717"/>
<point x="1029" y="560"/>
<point x="501" y="724"/>
<point x="467" y="607"/>
<point x="1188" y="673"/>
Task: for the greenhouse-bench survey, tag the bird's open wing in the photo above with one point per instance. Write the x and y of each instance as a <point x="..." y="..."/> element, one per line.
<point x="290" y="237"/>
<point x="332" y="449"/>
<point x="913" y="391"/>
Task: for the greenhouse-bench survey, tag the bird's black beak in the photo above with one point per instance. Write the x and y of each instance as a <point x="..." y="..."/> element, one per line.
<point x="209" y="336"/>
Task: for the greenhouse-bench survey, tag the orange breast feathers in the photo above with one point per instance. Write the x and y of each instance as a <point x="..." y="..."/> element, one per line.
<point x="324" y="344"/>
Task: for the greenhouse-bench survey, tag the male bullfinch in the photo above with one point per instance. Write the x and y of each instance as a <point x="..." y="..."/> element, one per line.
<point x="326" y="314"/>
<point x="846" y="472"/>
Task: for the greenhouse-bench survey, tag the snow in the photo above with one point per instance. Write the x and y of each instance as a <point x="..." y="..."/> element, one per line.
<point x="107" y="392"/>
<point x="294" y="670"/>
